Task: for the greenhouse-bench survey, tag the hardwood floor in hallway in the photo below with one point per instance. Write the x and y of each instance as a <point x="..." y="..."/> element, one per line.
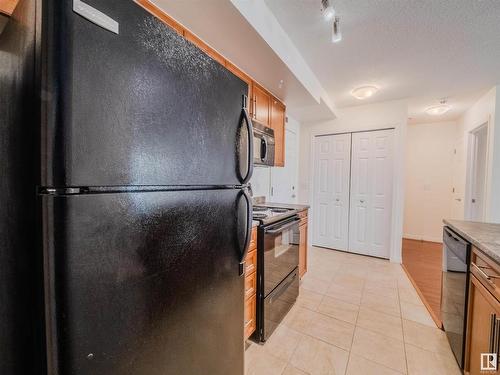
<point x="422" y="261"/>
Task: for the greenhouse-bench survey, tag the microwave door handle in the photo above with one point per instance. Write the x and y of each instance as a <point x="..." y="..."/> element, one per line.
<point x="250" y="150"/>
<point x="263" y="149"/>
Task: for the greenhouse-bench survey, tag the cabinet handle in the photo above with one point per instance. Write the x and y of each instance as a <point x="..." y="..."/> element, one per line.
<point x="497" y="338"/>
<point x="484" y="275"/>
<point x="493" y="319"/>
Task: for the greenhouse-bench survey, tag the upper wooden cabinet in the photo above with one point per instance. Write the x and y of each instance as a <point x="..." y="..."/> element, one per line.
<point x="7" y="6"/>
<point x="244" y="77"/>
<point x="261" y="104"/>
<point x="204" y="47"/>
<point x="278" y="125"/>
<point x="153" y="9"/>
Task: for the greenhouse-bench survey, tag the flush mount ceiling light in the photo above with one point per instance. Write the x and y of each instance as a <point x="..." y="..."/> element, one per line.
<point x="364" y="92"/>
<point x="336" y="34"/>
<point x="440" y="109"/>
<point x="328" y="11"/>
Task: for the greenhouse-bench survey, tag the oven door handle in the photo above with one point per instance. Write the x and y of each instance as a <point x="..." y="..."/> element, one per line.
<point x="281" y="228"/>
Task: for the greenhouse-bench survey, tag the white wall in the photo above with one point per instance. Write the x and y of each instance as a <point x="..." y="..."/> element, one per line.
<point x="483" y="111"/>
<point x="392" y="114"/>
<point x="263" y="178"/>
<point x="428" y="179"/>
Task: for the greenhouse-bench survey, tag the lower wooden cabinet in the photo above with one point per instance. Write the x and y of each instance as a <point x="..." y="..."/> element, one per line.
<point x="250" y="316"/>
<point x="250" y="321"/>
<point x="483" y="326"/>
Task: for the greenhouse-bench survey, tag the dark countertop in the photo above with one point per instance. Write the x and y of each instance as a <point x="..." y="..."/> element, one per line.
<point x="298" y="207"/>
<point x="484" y="236"/>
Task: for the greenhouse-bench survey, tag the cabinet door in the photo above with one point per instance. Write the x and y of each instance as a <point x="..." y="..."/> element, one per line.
<point x="261" y="104"/>
<point x="278" y="125"/>
<point x="303" y="250"/>
<point x="484" y="320"/>
<point x="332" y="158"/>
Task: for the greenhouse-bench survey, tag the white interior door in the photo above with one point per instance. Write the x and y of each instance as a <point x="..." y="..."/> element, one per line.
<point x="458" y="180"/>
<point x="478" y="183"/>
<point x="331" y="191"/>
<point x="371" y="193"/>
<point x="284" y="180"/>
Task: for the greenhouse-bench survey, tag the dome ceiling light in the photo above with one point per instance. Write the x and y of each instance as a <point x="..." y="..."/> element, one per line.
<point x="438" y="110"/>
<point x="364" y="92"/>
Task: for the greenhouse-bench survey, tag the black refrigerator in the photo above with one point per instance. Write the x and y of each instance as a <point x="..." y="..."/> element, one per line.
<point x="143" y="214"/>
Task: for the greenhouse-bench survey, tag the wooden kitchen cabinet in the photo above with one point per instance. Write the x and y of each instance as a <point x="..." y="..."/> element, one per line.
<point x="244" y="77"/>
<point x="7" y="6"/>
<point x="277" y="123"/>
<point x="303" y="243"/>
<point x="261" y="104"/>
<point x="251" y="287"/>
<point x="483" y="321"/>
<point x="204" y="47"/>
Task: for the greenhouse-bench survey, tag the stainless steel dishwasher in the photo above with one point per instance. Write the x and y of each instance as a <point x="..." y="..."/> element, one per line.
<point x="456" y="261"/>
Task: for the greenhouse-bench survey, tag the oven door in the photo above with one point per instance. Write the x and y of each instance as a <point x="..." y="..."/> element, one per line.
<point x="281" y="252"/>
<point x="278" y="303"/>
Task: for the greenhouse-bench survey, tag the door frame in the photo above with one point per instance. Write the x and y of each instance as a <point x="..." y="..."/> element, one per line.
<point x="470" y="169"/>
<point x="395" y="249"/>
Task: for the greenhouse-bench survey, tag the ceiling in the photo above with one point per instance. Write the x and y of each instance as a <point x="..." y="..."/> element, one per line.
<point x="422" y="50"/>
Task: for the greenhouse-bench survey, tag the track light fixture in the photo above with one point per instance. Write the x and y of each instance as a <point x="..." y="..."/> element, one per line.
<point x="328" y="11"/>
<point x="336" y="33"/>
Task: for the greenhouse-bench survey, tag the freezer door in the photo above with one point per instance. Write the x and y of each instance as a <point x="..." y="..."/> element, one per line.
<point x="145" y="283"/>
<point x="141" y="107"/>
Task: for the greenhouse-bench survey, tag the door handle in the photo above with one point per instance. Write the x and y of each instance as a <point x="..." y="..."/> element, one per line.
<point x="248" y="233"/>
<point x="361" y="201"/>
<point x="250" y="150"/>
<point x="493" y="319"/>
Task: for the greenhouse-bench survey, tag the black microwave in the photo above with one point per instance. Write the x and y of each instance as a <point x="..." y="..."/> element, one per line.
<point x="263" y="145"/>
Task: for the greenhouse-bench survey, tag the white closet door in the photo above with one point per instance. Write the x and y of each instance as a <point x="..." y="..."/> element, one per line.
<point x="371" y="193"/>
<point x="331" y="191"/>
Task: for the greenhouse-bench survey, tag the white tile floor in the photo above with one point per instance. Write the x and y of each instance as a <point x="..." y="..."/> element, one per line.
<point x="355" y="315"/>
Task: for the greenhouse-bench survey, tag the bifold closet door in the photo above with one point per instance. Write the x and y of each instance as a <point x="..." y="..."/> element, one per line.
<point x="371" y="193"/>
<point x="331" y="191"/>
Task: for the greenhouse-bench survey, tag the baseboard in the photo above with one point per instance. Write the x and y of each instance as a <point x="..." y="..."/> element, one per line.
<point x="422" y="238"/>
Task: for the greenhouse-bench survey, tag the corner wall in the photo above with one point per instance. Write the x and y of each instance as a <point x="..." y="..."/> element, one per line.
<point x="428" y="179"/>
<point x="483" y="111"/>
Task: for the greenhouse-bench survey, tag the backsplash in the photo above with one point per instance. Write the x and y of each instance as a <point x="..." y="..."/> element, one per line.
<point x="261" y="181"/>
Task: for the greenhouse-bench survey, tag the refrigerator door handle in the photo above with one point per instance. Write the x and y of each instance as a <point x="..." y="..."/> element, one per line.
<point x="250" y="149"/>
<point x="248" y="233"/>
